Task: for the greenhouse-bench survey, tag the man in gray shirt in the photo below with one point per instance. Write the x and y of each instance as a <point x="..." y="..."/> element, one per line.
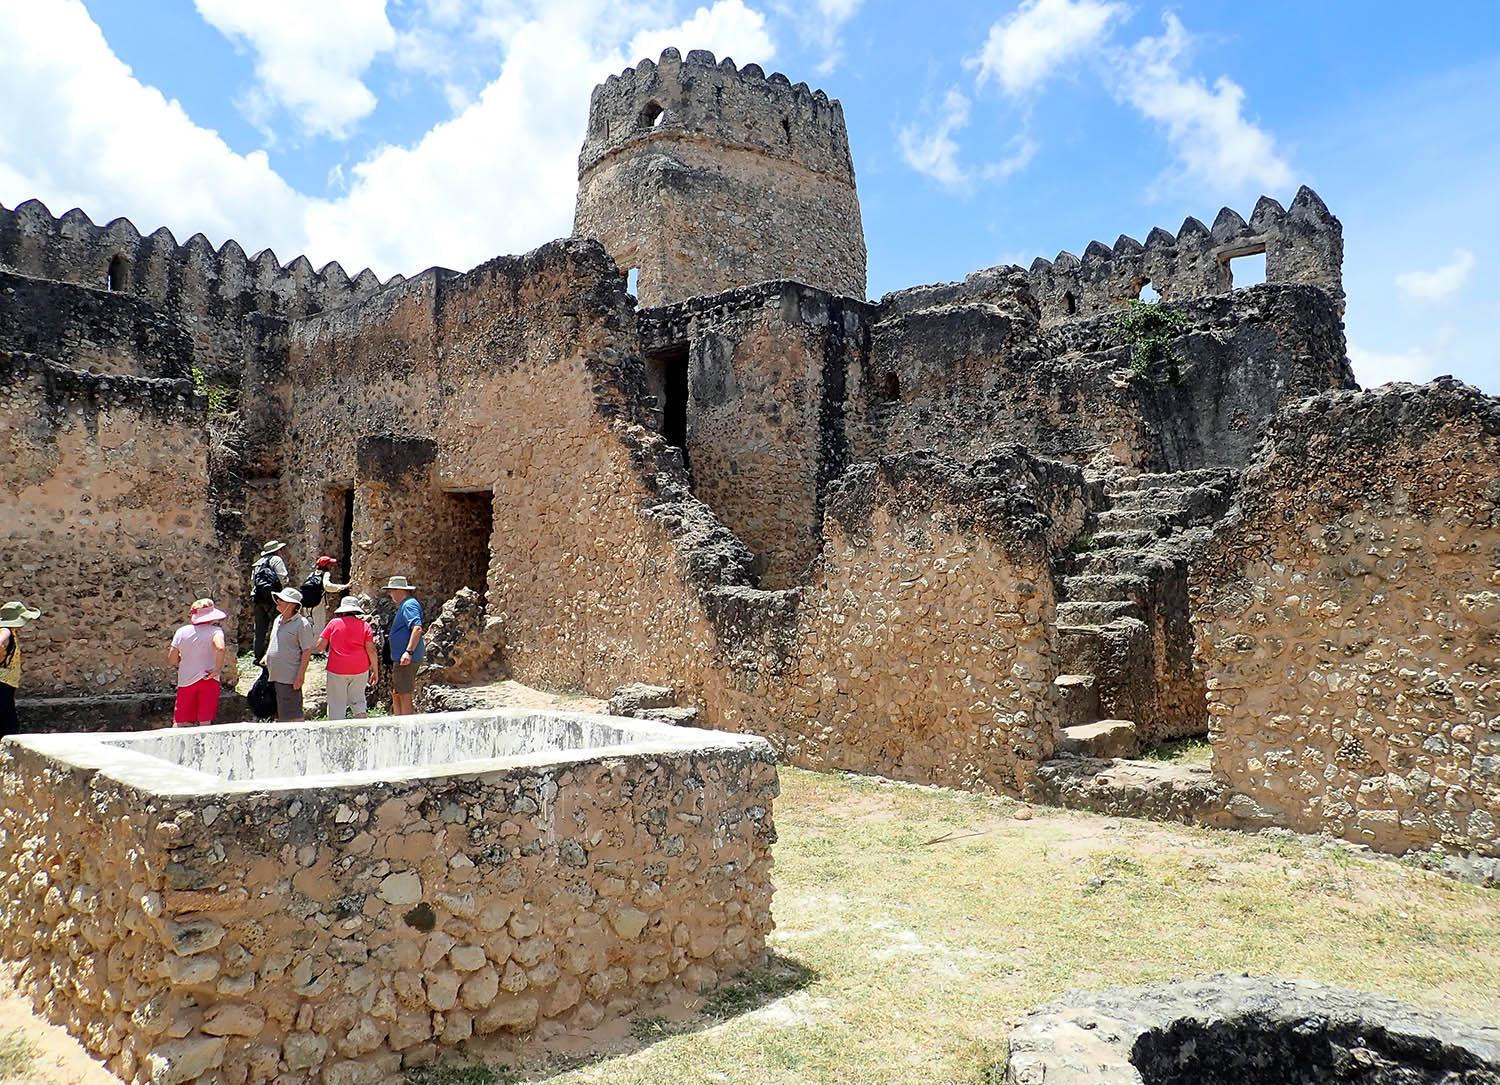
<point x="289" y="648"/>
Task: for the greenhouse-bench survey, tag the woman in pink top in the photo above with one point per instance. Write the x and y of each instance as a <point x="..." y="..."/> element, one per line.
<point x="352" y="666"/>
<point x="198" y="654"/>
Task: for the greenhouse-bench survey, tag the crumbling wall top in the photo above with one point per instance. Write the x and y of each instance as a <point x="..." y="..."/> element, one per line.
<point x="703" y="98"/>
<point x="1303" y="244"/>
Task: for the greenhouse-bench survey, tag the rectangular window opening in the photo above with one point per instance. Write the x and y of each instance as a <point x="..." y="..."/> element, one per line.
<point x="1247" y="269"/>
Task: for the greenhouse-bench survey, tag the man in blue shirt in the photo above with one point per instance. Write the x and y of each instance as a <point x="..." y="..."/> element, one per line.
<point x="404" y="644"/>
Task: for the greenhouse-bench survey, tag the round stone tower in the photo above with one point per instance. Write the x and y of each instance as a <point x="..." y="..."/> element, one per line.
<point x="705" y="177"/>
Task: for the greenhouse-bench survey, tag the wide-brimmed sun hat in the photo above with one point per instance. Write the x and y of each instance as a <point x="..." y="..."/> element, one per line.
<point x="205" y="612"/>
<point x="400" y="582"/>
<point x="290" y="595"/>
<point x="350" y="605"/>
<point x="272" y="545"/>
<point x="15" y="614"/>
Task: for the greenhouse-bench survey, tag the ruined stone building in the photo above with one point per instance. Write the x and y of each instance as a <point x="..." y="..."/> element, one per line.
<point x="963" y="535"/>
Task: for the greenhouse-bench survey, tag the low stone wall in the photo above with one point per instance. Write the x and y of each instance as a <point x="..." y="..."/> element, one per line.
<point x="1348" y="620"/>
<point x="191" y="928"/>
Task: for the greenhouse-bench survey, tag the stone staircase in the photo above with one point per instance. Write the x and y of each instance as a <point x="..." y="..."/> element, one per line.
<point x="1123" y="633"/>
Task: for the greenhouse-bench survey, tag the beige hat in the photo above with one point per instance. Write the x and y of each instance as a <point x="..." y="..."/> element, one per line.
<point x="15" y="614"/>
<point x="290" y="595"/>
<point x="272" y="545"/>
<point x="401" y="583"/>
<point x="350" y="605"/>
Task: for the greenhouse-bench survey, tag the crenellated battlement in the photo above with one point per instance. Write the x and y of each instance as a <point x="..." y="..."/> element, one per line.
<point x="1303" y="244"/>
<point x="220" y="286"/>
<point x="703" y="98"/>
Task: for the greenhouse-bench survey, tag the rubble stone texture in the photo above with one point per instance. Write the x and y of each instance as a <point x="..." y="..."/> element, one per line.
<point x="927" y="536"/>
<point x="705" y="176"/>
<point x="1244" y="1030"/>
<point x="190" y="923"/>
<point x="1348" y="616"/>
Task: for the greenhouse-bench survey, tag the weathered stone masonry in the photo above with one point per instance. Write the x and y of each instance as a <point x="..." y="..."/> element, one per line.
<point x="333" y="934"/>
<point x="1349" y="621"/>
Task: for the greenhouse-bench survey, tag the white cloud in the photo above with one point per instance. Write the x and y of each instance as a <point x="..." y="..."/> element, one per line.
<point x="930" y="148"/>
<point x="1439" y="283"/>
<point x="92" y="136"/>
<point x="498" y="177"/>
<point x="1373" y="367"/>
<point x="309" y="56"/>
<point x="1206" y="126"/>
<point x="728" y="28"/>
<point x="1022" y="51"/>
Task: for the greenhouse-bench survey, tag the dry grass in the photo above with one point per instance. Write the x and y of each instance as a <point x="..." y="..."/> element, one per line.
<point x="916" y="925"/>
<point x="16" y="1055"/>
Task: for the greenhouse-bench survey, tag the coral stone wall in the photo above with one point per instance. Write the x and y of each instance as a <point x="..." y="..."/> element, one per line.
<point x="766" y="386"/>
<point x="706" y="177"/>
<point x="209" y="293"/>
<point x="110" y="525"/>
<point x="958" y="374"/>
<point x="93" y="330"/>
<point x="1349" y="621"/>
<point x="919" y="651"/>
<point x="337" y="935"/>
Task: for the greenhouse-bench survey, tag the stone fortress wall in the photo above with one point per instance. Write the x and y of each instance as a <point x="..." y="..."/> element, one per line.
<point x="706" y="176"/>
<point x="208" y="292"/>
<point x="847" y="553"/>
<point x="111" y="512"/>
<point x="650" y="582"/>
<point x="1348" y="618"/>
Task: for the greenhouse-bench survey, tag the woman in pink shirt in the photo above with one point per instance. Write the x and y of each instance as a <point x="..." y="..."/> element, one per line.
<point x="198" y="654"/>
<point x="352" y="666"/>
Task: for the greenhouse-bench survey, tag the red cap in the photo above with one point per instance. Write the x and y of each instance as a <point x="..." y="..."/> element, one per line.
<point x="326" y="562"/>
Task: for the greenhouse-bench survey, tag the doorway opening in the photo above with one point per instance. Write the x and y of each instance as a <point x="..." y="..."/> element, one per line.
<point x="467" y="521"/>
<point x="338" y="529"/>
<point x="667" y="380"/>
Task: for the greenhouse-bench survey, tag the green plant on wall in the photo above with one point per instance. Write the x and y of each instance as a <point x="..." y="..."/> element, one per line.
<point x="218" y="396"/>
<point x="1149" y="329"/>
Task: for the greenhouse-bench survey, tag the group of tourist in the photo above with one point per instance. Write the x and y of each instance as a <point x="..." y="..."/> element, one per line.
<point x="284" y="643"/>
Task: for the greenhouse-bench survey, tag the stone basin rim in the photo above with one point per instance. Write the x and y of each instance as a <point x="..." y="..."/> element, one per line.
<point x="1090" y="1037"/>
<point x="106" y="752"/>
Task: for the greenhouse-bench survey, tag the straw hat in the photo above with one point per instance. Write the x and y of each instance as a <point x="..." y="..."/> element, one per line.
<point x="272" y="545"/>
<point x="15" y="614"/>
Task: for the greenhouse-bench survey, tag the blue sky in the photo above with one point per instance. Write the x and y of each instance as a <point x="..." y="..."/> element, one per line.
<point x="405" y="133"/>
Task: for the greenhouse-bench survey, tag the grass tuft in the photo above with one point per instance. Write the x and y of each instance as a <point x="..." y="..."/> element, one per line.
<point x="16" y="1054"/>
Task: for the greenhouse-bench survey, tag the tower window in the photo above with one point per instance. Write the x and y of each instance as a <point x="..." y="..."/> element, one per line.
<point x="651" y="116"/>
<point x="889" y="387"/>
<point x="118" y="275"/>
<point x="1069" y="303"/>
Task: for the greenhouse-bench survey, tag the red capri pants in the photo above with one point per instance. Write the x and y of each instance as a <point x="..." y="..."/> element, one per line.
<point x="197" y="703"/>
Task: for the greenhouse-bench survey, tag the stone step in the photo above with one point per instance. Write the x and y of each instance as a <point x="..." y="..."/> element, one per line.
<point x="1117" y="653"/>
<point x="1096" y="612"/>
<point x="1105" y="588"/>
<point x="1193" y="507"/>
<point x="1110" y="561"/>
<point x="1171" y="480"/>
<point x="677" y="717"/>
<point x="1142" y="518"/>
<point x="1131" y="539"/>
<point x="627" y="700"/>
<point x="1103" y="738"/>
<point x="1077" y="698"/>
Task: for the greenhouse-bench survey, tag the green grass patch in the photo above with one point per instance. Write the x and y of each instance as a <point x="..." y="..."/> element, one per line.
<point x="449" y="1073"/>
<point x="1183" y="751"/>
<point x="16" y="1054"/>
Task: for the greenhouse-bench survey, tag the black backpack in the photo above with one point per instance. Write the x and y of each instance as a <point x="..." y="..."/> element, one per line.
<point x="312" y="589"/>
<point x="261" y="697"/>
<point x="265" y="582"/>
